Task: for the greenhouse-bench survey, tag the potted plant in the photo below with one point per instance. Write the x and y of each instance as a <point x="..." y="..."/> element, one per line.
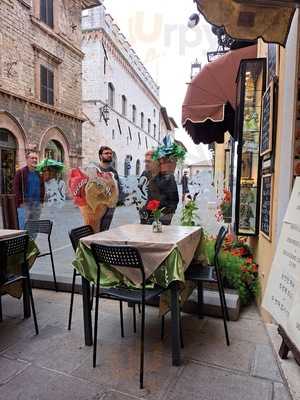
<point x="226" y="206"/>
<point x="168" y="155"/>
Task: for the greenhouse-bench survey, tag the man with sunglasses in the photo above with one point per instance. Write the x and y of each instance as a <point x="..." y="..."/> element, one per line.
<point x="29" y="190"/>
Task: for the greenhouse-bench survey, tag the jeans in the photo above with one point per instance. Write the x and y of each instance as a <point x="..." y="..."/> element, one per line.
<point x="32" y="211"/>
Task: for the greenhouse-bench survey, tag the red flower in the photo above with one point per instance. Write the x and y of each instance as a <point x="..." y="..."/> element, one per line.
<point x="153" y="205"/>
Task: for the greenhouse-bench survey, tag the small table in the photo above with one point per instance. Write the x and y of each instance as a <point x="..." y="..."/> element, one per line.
<point x="165" y="257"/>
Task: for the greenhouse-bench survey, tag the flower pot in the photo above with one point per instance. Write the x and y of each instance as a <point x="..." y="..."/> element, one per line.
<point x="156" y="226"/>
<point x="167" y="165"/>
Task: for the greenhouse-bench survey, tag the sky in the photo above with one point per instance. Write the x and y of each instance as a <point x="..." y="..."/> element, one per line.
<point x="158" y="32"/>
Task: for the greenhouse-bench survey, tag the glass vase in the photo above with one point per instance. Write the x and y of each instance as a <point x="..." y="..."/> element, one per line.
<point x="156" y="226"/>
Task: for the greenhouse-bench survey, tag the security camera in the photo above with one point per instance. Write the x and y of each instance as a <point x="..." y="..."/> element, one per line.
<point x="193" y="20"/>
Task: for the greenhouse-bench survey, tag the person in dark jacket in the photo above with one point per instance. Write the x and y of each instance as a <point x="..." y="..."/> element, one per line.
<point x="29" y="190"/>
<point x="185" y="185"/>
<point x="105" y="160"/>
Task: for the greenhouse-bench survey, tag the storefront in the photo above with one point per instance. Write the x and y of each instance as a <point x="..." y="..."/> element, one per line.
<point x="8" y="152"/>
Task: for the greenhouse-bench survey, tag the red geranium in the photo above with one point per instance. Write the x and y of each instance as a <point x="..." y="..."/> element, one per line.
<point x="153" y="205"/>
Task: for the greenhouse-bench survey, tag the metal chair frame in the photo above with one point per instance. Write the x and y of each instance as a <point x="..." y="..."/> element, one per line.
<point x="212" y="274"/>
<point x="123" y="257"/>
<point x="12" y="247"/>
<point x="43" y="226"/>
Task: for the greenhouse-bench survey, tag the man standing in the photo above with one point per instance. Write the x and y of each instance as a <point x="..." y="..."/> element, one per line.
<point x="146" y="182"/>
<point x="29" y="190"/>
<point x="185" y="185"/>
<point x="105" y="158"/>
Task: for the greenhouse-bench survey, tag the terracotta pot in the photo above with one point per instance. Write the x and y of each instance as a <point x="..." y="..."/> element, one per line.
<point x="166" y="165"/>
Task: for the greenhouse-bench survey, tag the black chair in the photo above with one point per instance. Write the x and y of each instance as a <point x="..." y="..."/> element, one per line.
<point x="44" y="227"/>
<point x="75" y="235"/>
<point x="16" y="247"/>
<point x="123" y="257"/>
<point x="211" y="274"/>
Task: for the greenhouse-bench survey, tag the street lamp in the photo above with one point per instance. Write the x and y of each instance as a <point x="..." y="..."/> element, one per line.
<point x="104" y="113"/>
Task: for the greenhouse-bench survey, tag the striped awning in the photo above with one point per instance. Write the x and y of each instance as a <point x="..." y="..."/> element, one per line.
<point x="90" y="3"/>
<point x="251" y="19"/>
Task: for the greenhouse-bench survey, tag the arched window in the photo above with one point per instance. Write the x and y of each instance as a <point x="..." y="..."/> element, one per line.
<point x="111" y="95"/>
<point x="127" y="165"/>
<point x="134" y="114"/>
<point x="149" y="125"/>
<point x="142" y="120"/>
<point x="8" y="148"/>
<point x="54" y="151"/>
<point x="124" y="105"/>
<point x="138" y="168"/>
<point x="154" y="130"/>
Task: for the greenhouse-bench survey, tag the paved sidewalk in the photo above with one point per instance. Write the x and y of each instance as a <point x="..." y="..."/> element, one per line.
<point x="57" y="365"/>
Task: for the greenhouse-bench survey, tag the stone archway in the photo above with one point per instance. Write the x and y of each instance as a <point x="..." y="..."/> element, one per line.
<point x="10" y="123"/>
<point x="56" y="136"/>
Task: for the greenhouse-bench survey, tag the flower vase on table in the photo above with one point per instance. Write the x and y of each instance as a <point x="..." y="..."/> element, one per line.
<point x="153" y="207"/>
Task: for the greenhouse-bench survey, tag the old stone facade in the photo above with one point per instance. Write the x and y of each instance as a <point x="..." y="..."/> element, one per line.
<point x="40" y="82"/>
<point x="113" y="75"/>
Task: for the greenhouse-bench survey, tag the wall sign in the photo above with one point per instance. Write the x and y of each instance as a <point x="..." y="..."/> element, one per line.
<point x="266" y="205"/>
<point x="282" y="295"/>
<point x="272" y="62"/>
<point x="266" y="134"/>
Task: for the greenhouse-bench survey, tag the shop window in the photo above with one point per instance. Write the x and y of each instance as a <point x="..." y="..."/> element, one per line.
<point x="46" y="85"/>
<point x="46" y="12"/>
<point x="8" y="147"/>
<point x="54" y="151"/>
<point x="251" y="86"/>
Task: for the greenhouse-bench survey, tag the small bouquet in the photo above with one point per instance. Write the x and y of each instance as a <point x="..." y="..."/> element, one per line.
<point x="153" y="207"/>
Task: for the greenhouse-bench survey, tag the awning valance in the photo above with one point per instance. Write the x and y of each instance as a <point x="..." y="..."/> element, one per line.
<point x="248" y="20"/>
<point x="210" y="101"/>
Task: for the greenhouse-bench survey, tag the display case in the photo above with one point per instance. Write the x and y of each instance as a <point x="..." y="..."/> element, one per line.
<point x="250" y="89"/>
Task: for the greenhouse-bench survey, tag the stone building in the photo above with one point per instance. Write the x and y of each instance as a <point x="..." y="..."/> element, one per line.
<point x="40" y="82"/>
<point x="115" y="78"/>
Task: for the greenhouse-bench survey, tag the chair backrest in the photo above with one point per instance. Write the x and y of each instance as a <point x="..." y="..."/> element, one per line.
<point x="219" y="242"/>
<point x="16" y="246"/>
<point x="118" y="256"/>
<point x="78" y="233"/>
<point x="39" y="226"/>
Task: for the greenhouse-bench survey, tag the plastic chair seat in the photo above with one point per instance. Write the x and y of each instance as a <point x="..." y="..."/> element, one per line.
<point x="130" y="295"/>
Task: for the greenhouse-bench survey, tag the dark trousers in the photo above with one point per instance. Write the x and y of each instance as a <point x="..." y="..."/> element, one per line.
<point x="106" y="220"/>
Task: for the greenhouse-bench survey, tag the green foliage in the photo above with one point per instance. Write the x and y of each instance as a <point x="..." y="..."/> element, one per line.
<point x="189" y="215"/>
<point x="239" y="272"/>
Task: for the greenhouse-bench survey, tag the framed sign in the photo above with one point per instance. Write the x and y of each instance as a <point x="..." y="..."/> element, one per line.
<point x="272" y="62"/>
<point x="266" y="132"/>
<point x="266" y="206"/>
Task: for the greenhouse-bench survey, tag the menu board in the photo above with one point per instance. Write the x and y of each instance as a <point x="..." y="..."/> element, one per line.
<point x="267" y="121"/>
<point x="282" y="294"/>
<point x="272" y="61"/>
<point x="266" y="205"/>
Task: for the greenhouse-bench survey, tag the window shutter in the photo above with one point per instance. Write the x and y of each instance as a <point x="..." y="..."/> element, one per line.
<point x="50" y="86"/>
<point x="43" y="10"/>
<point x="43" y="78"/>
<point x="50" y="13"/>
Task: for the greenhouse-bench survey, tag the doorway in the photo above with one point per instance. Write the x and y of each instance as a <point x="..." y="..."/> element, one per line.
<point x="8" y="149"/>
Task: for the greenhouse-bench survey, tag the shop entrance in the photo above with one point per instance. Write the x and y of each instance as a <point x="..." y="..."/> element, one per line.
<point x="8" y="148"/>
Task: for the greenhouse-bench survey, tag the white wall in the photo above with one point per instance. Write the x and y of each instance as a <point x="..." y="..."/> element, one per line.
<point x="126" y="79"/>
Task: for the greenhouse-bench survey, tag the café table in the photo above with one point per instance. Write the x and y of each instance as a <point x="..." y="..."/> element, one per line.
<point x="165" y="256"/>
<point x="32" y="252"/>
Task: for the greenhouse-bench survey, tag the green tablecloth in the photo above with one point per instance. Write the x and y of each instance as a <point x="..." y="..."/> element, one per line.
<point x="169" y="271"/>
<point x="15" y="267"/>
